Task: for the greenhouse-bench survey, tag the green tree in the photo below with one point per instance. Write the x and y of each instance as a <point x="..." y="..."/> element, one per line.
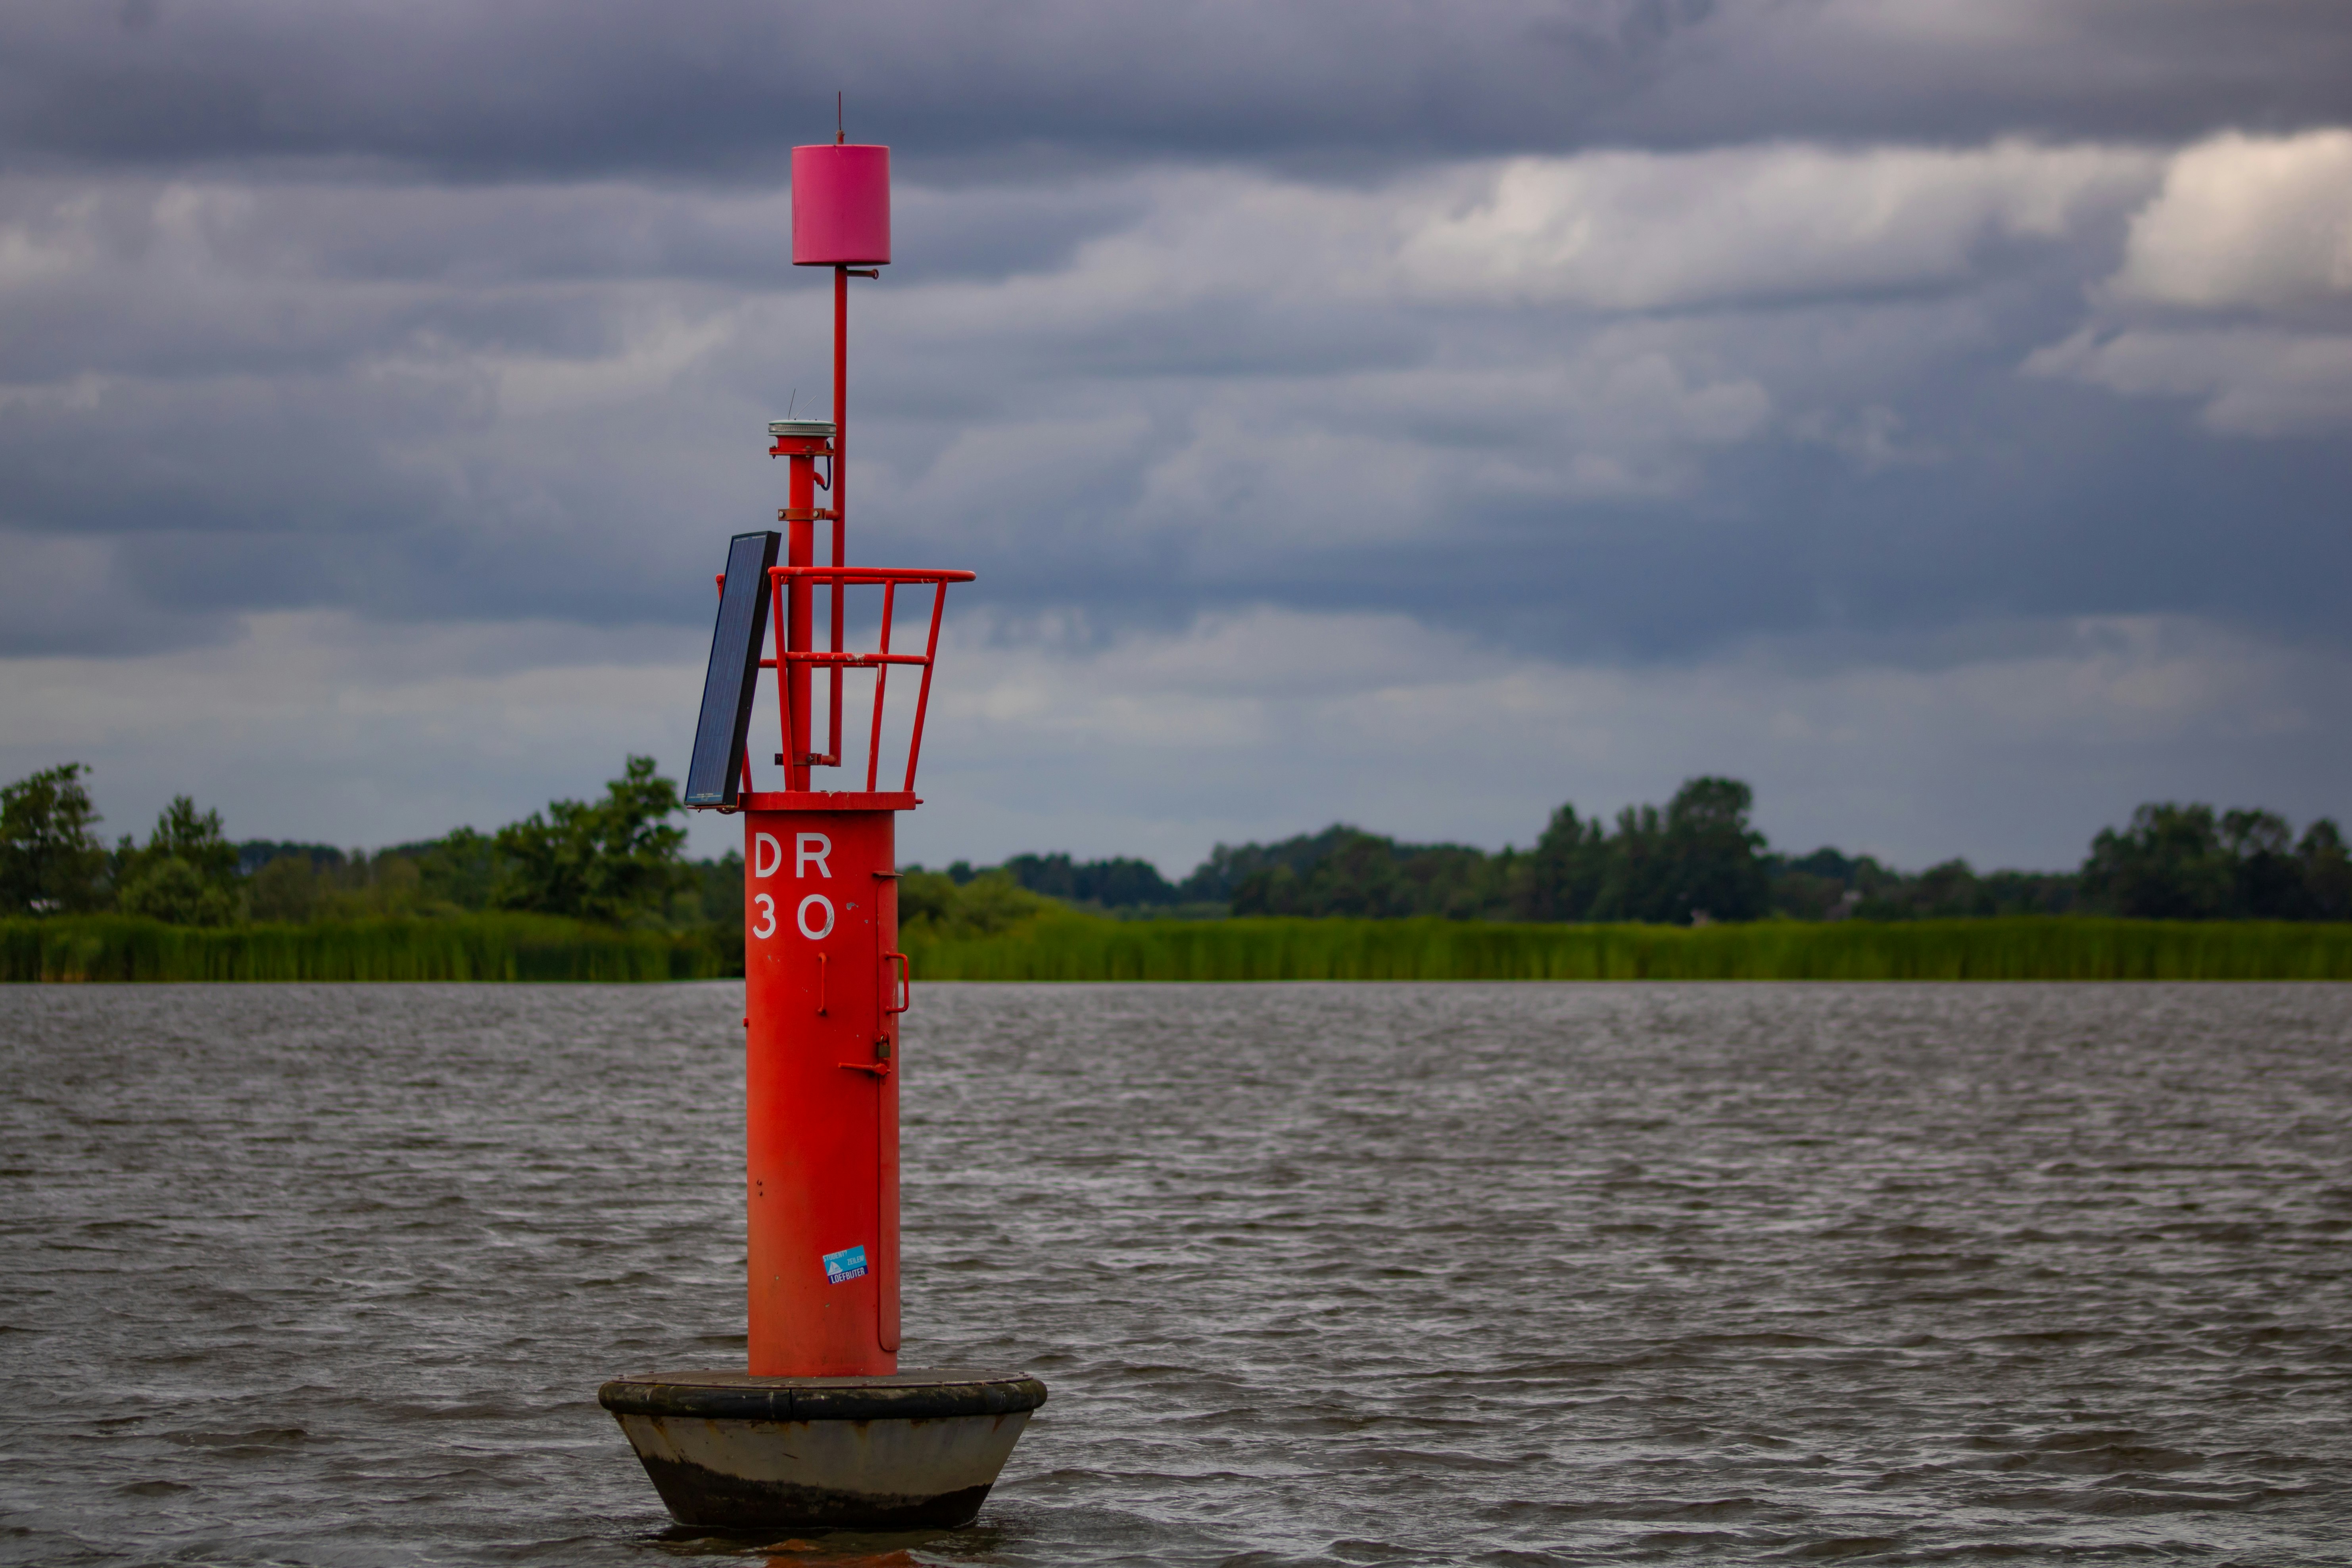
<point x="984" y="904"/>
<point x="184" y="833"/>
<point x="1698" y="857"/>
<point x="1564" y="871"/>
<point x="1345" y="871"/>
<point x="171" y="889"/>
<point x="1948" y="890"/>
<point x="1823" y="885"/>
<point x="2169" y="864"/>
<point x="1360" y="879"/>
<point x="285" y="890"/>
<point x="50" y="860"/>
<point x="714" y="895"/>
<point x="2327" y="872"/>
<point x="1119" y="883"/>
<point x="2267" y="879"/>
<point x="1219" y="878"/>
<point x="460" y="869"/>
<point x="2027" y="892"/>
<point x="1269" y="890"/>
<point x="615" y="860"/>
<point x="1635" y="881"/>
<point x="186" y="873"/>
<point x="1713" y="853"/>
<point x="1458" y="881"/>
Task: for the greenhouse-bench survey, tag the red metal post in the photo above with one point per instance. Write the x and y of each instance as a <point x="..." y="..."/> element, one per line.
<point x="881" y="685"/>
<point x="839" y="472"/>
<point x="800" y="549"/>
<point x="923" y="697"/>
<point x="840" y="407"/>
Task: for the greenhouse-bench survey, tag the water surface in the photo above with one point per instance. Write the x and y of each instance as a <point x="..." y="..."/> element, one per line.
<point x="1394" y="1274"/>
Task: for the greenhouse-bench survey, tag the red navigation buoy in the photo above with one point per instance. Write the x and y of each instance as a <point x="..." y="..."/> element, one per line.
<point x="821" y="1428"/>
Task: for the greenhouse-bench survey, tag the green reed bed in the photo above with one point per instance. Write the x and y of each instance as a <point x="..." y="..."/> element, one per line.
<point x="464" y="947"/>
<point x="1078" y="948"/>
<point x="1081" y="947"/>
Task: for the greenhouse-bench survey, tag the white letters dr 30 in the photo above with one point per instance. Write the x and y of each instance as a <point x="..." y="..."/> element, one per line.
<point x="815" y="917"/>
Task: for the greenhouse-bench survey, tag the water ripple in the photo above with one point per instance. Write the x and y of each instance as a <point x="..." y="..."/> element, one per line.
<point x="1378" y="1274"/>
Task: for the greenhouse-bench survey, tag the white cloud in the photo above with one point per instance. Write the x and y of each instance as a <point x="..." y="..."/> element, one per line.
<point x="2250" y="381"/>
<point x="546" y="400"/>
<point x="1233" y="360"/>
<point x="318" y="725"/>
<point x="2263" y="222"/>
<point x="1638" y="231"/>
<point x="1607" y="230"/>
<point x="2257" y="232"/>
<point x="1266" y="722"/>
<point x="1247" y="725"/>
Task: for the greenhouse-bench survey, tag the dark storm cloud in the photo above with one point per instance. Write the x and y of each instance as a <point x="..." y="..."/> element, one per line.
<point x="719" y="89"/>
<point x="437" y="312"/>
<point x="387" y="398"/>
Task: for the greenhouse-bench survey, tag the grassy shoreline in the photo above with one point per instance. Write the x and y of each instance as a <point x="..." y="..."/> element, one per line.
<point x="2023" y="948"/>
<point x="485" y="947"/>
<point x="1075" y="947"/>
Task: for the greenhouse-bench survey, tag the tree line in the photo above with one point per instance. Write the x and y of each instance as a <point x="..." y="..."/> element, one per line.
<point x="1699" y="858"/>
<point x="616" y="860"/>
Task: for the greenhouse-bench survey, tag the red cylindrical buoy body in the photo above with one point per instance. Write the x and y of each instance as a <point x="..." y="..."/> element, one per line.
<point x="824" y="985"/>
<point x="841" y="205"/>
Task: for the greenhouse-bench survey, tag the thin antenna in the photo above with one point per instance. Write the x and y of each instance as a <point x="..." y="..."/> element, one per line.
<point x="796" y="398"/>
<point x="840" y="128"/>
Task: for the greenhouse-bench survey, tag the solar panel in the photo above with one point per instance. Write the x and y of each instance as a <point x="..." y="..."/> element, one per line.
<point x="717" y="770"/>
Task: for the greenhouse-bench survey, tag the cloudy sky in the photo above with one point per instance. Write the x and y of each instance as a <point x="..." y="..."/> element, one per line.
<point x="1938" y="413"/>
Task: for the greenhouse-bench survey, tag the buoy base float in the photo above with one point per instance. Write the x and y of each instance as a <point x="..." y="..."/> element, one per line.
<point x="904" y="1450"/>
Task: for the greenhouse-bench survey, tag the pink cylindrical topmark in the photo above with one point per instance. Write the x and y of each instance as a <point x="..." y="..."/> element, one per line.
<point x="841" y="205"/>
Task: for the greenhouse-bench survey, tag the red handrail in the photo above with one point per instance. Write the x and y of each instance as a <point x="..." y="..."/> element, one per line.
<point x="887" y="578"/>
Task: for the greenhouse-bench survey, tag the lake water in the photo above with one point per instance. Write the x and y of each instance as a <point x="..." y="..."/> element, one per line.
<point x="1370" y="1274"/>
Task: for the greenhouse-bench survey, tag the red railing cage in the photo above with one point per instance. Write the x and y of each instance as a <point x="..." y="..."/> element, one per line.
<point x="837" y="660"/>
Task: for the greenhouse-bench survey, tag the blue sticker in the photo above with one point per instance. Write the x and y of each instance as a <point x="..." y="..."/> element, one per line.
<point x="840" y="1268"/>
